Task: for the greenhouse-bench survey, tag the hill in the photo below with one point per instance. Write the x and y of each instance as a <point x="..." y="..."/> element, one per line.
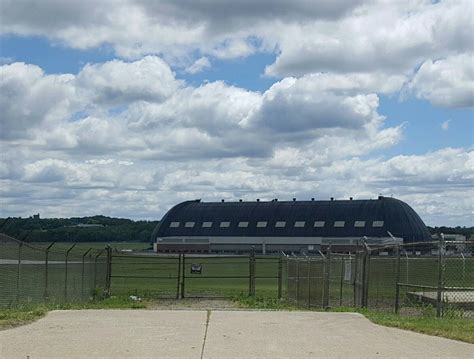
<point x="77" y="229"/>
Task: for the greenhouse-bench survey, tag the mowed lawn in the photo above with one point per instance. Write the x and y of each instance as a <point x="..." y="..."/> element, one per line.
<point x="226" y="276"/>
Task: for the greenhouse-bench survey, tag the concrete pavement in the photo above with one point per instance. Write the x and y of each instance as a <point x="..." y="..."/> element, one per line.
<point x="218" y="334"/>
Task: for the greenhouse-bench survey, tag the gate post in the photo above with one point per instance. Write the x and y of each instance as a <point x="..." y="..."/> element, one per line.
<point x="309" y="282"/>
<point x="183" y="277"/>
<point x="280" y="275"/>
<point x="327" y="275"/>
<point x="252" y="273"/>
<point x="342" y="280"/>
<point x="297" y="281"/>
<point x="178" y="276"/>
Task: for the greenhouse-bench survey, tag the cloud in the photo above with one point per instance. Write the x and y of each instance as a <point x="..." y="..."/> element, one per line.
<point x="379" y="37"/>
<point x="141" y="109"/>
<point x="445" y="125"/>
<point x="373" y="40"/>
<point x="118" y="82"/>
<point x="447" y="82"/>
<point x="30" y="98"/>
<point x="198" y="66"/>
<point x="126" y="138"/>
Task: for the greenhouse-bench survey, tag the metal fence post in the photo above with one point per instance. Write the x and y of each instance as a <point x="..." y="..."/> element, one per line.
<point x="252" y="272"/>
<point x="297" y="281"/>
<point x="280" y="276"/>
<point x="439" y="296"/>
<point x="108" y="278"/>
<point x="366" y="274"/>
<point x="397" y="281"/>
<point x="342" y="280"/>
<point x="46" y="271"/>
<point x="18" y="273"/>
<point x="327" y="275"/>
<point x="356" y="273"/>
<point x="178" y="277"/>
<point x="95" y="273"/>
<point x="309" y="282"/>
<point x="65" y="271"/>
<point x="183" y="277"/>
<point x="82" y="271"/>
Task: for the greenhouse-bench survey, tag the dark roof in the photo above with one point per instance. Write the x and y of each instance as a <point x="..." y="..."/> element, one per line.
<point x="397" y="216"/>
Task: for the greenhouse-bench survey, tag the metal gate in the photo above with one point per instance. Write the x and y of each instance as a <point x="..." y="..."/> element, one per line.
<point x="195" y="276"/>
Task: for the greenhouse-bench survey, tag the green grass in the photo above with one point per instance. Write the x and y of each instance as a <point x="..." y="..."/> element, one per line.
<point x="452" y="328"/>
<point x="11" y="317"/>
<point x="220" y="277"/>
<point x="448" y="327"/>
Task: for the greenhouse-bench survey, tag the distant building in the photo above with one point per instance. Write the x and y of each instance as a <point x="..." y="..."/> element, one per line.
<point x="289" y="226"/>
<point x="36" y="216"/>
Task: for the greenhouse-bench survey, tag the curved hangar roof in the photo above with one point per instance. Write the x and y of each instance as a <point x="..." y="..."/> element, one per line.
<point x="338" y="218"/>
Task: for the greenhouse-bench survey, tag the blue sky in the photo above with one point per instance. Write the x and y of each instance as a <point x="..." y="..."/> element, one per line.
<point x="118" y="117"/>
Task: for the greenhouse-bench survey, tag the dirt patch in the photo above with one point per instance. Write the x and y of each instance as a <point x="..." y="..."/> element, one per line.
<point x="193" y="304"/>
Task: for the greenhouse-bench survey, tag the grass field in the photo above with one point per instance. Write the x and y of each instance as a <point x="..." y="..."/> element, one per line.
<point x="157" y="277"/>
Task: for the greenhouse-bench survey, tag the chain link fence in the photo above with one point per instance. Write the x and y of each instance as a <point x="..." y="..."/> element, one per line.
<point x="45" y="274"/>
<point x="431" y="277"/>
<point x="196" y="276"/>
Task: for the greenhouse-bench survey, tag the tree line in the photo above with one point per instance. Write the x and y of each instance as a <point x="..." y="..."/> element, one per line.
<point x="78" y="229"/>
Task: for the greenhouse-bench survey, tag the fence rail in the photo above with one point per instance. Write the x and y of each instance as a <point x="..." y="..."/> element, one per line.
<point x="437" y="277"/>
<point x="39" y="274"/>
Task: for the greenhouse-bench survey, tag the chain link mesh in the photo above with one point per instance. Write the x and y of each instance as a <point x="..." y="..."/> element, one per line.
<point x="427" y="278"/>
<point x="45" y="274"/>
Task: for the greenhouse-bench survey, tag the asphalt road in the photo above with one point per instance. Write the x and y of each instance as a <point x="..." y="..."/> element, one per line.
<point x="218" y="334"/>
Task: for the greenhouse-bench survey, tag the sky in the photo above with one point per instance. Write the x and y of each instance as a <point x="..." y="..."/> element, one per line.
<point x="127" y="107"/>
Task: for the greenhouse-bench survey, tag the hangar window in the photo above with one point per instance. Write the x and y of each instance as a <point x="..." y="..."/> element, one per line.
<point x="359" y="224"/>
<point x="206" y="224"/>
<point x="174" y="224"/>
<point x="377" y="224"/>
<point x="319" y="223"/>
<point x="243" y="224"/>
<point x="280" y="224"/>
<point x="225" y="224"/>
<point x="189" y="224"/>
<point x="299" y="224"/>
<point x="339" y="223"/>
<point x="261" y="224"/>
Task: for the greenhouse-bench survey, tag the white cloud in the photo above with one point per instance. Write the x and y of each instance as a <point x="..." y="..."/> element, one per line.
<point x="448" y="82"/>
<point x="393" y="38"/>
<point x="198" y="66"/>
<point x="29" y="99"/>
<point x="380" y="42"/>
<point x="169" y="135"/>
<point x="445" y="124"/>
<point x="118" y="83"/>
